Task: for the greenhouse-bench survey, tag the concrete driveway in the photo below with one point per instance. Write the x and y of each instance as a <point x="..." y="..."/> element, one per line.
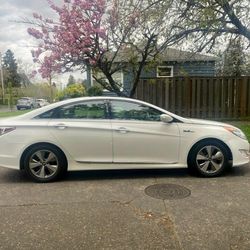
<point x="110" y="210"/>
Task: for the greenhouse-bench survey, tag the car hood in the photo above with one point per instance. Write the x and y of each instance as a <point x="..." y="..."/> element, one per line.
<point x="7" y="120"/>
<point x="207" y="122"/>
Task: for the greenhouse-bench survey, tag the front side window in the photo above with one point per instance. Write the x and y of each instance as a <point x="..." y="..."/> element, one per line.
<point x="46" y="115"/>
<point x="83" y="110"/>
<point x="122" y="110"/>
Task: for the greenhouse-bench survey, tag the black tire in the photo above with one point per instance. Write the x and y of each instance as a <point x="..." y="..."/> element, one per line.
<point x="59" y="160"/>
<point x="210" y="166"/>
<point x="18" y="108"/>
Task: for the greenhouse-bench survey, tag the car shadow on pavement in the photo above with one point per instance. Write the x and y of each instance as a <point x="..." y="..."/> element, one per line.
<point x="240" y="171"/>
<point x="14" y="176"/>
<point x="147" y="173"/>
<point x="126" y="174"/>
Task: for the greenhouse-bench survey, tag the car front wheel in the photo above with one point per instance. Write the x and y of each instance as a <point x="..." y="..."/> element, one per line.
<point x="209" y="159"/>
<point x="45" y="163"/>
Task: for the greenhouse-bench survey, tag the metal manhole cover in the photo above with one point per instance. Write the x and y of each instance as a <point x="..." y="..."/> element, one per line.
<point x="167" y="191"/>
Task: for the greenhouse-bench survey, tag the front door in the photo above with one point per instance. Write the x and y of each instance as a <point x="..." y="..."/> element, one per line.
<point x="139" y="136"/>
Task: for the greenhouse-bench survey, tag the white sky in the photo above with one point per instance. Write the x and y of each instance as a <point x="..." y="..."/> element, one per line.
<point x="14" y="35"/>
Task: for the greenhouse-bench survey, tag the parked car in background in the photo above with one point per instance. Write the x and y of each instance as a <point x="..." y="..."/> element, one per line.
<point x="25" y="103"/>
<point x="116" y="133"/>
<point x="41" y="103"/>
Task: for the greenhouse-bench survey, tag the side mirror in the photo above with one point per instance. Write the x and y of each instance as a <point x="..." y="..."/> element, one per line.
<point x="166" y="118"/>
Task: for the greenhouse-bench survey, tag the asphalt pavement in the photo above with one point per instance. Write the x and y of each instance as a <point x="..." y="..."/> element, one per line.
<point x="110" y="210"/>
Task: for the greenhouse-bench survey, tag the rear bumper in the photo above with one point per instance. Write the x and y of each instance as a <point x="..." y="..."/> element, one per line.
<point x="10" y="153"/>
<point x="23" y="107"/>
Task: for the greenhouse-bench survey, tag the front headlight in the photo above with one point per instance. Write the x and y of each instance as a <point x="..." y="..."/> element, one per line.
<point x="236" y="132"/>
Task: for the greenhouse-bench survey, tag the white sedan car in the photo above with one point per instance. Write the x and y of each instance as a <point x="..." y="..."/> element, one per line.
<point x="116" y="133"/>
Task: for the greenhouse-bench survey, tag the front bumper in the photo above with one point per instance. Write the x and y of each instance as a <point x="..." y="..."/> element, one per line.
<point x="240" y="152"/>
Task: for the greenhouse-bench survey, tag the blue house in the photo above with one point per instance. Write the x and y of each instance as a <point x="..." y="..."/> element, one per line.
<point x="171" y="63"/>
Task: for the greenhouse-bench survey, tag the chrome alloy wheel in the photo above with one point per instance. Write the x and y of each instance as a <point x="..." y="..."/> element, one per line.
<point x="210" y="159"/>
<point x="43" y="164"/>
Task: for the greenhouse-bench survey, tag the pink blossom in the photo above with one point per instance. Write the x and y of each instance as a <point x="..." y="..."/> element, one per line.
<point x="35" y="33"/>
<point x="77" y="38"/>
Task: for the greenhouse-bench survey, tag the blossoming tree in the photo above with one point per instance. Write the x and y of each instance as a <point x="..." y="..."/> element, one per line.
<point x="103" y="35"/>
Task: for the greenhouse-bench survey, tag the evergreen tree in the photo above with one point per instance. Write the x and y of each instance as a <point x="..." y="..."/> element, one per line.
<point x="10" y="65"/>
<point x="71" y="80"/>
<point x="234" y="59"/>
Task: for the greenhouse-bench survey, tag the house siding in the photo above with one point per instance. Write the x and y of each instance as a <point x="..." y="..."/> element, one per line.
<point x="187" y="68"/>
<point x="195" y="68"/>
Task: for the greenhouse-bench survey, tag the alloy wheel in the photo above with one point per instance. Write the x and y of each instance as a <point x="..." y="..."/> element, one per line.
<point x="210" y="159"/>
<point x="43" y="164"/>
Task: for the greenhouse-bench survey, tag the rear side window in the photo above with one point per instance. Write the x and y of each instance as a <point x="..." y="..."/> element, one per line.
<point x="84" y="110"/>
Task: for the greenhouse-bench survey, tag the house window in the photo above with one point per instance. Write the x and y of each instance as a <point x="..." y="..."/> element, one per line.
<point x="165" y="71"/>
<point x="117" y="76"/>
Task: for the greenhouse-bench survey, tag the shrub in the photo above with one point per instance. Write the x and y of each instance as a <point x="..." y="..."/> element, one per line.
<point x="72" y="91"/>
<point x="95" y="91"/>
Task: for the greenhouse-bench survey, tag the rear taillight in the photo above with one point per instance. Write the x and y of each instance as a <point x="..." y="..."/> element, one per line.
<point x="4" y="130"/>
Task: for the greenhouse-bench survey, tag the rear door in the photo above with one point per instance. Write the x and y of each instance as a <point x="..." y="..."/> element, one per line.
<point x="84" y="130"/>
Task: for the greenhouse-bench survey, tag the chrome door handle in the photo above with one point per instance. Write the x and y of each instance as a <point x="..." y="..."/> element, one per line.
<point x="60" y="126"/>
<point x="122" y="130"/>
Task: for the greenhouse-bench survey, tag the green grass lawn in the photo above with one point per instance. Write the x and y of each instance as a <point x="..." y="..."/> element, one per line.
<point x="246" y="129"/>
<point x="12" y="113"/>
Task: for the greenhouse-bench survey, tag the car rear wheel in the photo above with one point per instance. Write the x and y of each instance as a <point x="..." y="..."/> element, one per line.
<point x="209" y="159"/>
<point x="45" y="163"/>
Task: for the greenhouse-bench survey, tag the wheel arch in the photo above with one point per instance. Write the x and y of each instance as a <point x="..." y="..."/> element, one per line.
<point x="21" y="163"/>
<point x="211" y="140"/>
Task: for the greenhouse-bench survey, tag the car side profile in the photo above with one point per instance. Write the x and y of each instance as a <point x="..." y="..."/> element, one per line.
<point x="93" y="133"/>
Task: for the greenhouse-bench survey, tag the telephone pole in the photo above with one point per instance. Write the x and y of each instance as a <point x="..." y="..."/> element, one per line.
<point x="1" y="71"/>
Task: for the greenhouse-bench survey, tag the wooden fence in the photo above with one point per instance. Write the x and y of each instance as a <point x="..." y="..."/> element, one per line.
<point x="200" y="97"/>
